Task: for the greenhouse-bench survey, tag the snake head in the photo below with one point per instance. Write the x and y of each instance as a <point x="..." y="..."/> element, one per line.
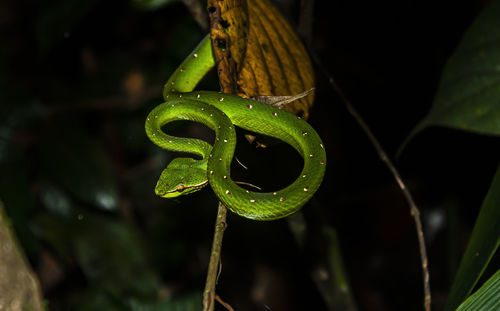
<point x="182" y="176"/>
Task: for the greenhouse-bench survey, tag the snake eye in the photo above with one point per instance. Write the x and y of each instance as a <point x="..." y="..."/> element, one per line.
<point x="180" y="188"/>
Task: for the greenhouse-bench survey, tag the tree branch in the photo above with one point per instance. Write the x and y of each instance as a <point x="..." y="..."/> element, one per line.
<point x="220" y="227"/>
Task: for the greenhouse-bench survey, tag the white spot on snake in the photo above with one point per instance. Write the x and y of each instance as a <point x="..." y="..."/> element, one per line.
<point x="156" y="117"/>
<point x="228" y="192"/>
<point x="274" y="193"/>
<point x="321" y="145"/>
<point x="182" y="69"/>
<point x="220" y="99"/>
<point x="321" y="162"/>
<point x="198" y="95"/>
<point x="306" y="188"/>
<point x="173" y="105"/>
<point x="167" y="96"/>
<point x="210" y="155"/>
<point x="252" y="201"/>
<point x="211" y="114"/>
<point x="217" y="139"/>
<point x="304" y="176"/>
<point x="189" y="143"/>
<point x="304" y="133"/>
<point x="282" y="199"/>
<point x="247" y="191"/>
<point x="299" y="117"/>
<point x="218" y="126"/>
<point x="153" y="134"/>
<point x="225" y="140"/>
<point x="249" y="106"/>
<point x="195" y="55"/>
<point x="180" y="95"/>
<point x="230" y="127"/>
<point x="169" y="141"/>
<point x="211" y="172"/>
<point x="173" y="82"/>
<point x="148" y="119"/>
<point x="274" y="114"/>
<point x="172" y="90"/>
<point x="202" y="109"/>
<point x="225" y="177"/>
<point x="220" y="159"/>
<point x="311" y="155"/>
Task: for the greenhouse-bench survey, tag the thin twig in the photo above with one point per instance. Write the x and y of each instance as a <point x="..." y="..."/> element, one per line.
<point x="220" y="227"/>
<point x="223" y="303"/>
<point x="383" y="156"/>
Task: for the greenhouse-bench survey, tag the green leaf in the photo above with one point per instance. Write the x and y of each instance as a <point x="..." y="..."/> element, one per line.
<point x="483" y="243"/>
<point x="485" y="298"/>
<point x="468" y="96"/>
<point x="79" y="164"/>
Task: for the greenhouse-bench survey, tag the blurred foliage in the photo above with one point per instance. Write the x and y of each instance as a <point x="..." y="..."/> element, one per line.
<point x="77" y="173"/>
<point x="63" y="172"/>
<point x="187" y="303"/>
<point x="151" y="4"/>
<point x="58" y="18"/>
<point x="14" y="190"/>
<point x="468" y="98"/>
<point x="75" y="162"/>
<point x="109" y="257"/>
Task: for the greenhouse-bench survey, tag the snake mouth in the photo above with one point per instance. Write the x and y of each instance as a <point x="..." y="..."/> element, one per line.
<point x="183" y="190"/>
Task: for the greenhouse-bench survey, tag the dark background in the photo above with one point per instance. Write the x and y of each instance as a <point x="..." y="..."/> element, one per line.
<point x="77" y="80"/>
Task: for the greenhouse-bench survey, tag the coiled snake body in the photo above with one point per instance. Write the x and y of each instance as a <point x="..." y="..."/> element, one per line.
<point x="221" y="112"/>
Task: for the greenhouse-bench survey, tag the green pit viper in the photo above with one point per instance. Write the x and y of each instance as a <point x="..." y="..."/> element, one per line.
<point x="221" y="112"/>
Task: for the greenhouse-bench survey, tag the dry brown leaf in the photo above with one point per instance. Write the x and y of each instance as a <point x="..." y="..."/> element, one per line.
<point x="235" y="19"/>
<point x="276" y="62"/>
<point x="228" y="29"/>
<point x="265" y="56"/>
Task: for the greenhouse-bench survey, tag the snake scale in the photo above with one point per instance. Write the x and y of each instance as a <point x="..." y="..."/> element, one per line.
<point x="221" y="113"/>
